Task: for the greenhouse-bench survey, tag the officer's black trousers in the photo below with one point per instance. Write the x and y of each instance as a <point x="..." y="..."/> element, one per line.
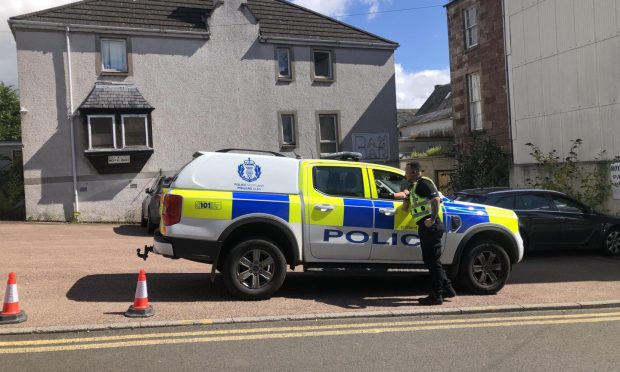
<point x="430" y="240"/>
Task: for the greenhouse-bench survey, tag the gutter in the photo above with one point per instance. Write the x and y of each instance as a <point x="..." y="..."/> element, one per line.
<point x="331" y="43"/>
<point x="76" y="202"/>
<point x="37" y="25"/>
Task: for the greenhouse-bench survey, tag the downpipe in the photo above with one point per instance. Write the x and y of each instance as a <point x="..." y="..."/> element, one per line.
<point x="70" y="116"/>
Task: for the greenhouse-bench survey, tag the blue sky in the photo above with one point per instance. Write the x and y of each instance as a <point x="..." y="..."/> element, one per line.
<point x="421" y="61"/>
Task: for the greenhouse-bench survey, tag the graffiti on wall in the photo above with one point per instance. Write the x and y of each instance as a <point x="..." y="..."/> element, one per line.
<point x="372" y="146"/>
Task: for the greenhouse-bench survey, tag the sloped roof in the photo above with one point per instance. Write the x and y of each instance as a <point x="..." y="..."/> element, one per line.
<point x="280" y="18"/>
<point x="178" y="15"/>
<point x="438" y="106"/>
<point x="115" y="96"/>
<point x="276" y="18"/>
<point x="403" y="116"/>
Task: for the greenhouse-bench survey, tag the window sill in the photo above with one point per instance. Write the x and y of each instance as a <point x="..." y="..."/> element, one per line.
<point x="284" y="79"/>
<point x="114" y="73"/>
<point x="287" y="147"/>
<point x="323" y="80"/>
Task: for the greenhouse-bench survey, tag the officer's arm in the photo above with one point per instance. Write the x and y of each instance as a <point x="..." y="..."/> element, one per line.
<point x="435" y="207"/>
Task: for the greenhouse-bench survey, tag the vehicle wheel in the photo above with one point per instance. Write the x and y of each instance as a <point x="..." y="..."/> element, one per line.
<point x="150" y="226"/>
<point x="254" y="269"/>
<point x="611" y="245"/>
<point x="485" y="268"/>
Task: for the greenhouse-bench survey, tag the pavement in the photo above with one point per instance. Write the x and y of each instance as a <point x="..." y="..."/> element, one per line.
<point x="83" y="276"/>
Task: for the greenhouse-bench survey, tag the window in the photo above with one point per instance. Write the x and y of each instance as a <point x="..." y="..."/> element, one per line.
<point x="283" y="56"/>
<point x="567" y="205"/>
<point x="323" y="65"/>
<point x="135" y="131"/>
<point x="287" y="130"/>
<point x="113" y="55"/>
<point x="394" y="182"/>
<point x="328" y="133"/>
<point x="101" y="132"/>
<point x="506" y="202"/>
<point x="471" y="27"/>
<point x="475" y="106"/>
<point x="339" y="181"/>
<point x="532" y="202"/>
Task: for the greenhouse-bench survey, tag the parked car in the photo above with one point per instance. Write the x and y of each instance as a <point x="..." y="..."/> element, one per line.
<point x="151" y="204"/>
<point x="552" y="220"/>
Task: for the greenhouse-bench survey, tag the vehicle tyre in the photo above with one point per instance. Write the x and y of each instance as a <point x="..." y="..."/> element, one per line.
<point x="485" y="267"/>
<point x="611" y="244"/>
<point x="150" y="226"/>
<point x="254" y="269"/>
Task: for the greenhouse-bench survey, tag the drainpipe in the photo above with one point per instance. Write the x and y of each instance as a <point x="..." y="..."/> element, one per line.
<point x="76" y="203"/>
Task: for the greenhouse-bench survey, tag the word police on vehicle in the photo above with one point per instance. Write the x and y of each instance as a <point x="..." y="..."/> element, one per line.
<point x="252" y="214"/>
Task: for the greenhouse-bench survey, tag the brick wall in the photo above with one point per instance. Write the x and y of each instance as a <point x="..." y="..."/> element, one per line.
<point x="488" y="59"/>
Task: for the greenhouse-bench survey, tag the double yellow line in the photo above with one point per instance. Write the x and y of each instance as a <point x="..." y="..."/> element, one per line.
<point x="267" y="333"/>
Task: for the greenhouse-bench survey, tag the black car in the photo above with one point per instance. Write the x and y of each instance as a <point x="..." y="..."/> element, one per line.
<point x="150" y="204"/>
<point x="551" y="219"/>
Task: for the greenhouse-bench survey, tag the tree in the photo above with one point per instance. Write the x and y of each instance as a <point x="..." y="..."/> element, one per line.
<point x="10" y="119"/>
<point x="482" y="164"/>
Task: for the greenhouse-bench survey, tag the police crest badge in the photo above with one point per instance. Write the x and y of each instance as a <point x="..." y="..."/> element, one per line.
<point x="249" y="171"/>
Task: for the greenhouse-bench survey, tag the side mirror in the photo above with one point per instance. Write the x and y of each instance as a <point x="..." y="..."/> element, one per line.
<point x="147" y="190"/>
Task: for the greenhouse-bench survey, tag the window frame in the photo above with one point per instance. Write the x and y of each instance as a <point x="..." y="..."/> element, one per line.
<point x="99" y="56"/>
<point x="332" y="69"/>
<point x="146" y="130"/>
<point x="287" y="146"/>
<point x="471" y="27"/>
<point x="470" y="102"/>
<point x="582" y="209"/>
<point x="90" y="134"/>
<point x="279" y="77"/>
<point x="337" y="141"/>
<point x="550" y="204"/>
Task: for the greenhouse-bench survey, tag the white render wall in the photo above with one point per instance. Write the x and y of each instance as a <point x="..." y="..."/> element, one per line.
<point x="207" y="94"/>
<point x="564" y="72"/>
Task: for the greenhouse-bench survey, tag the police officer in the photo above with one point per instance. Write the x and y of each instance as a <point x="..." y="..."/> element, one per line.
<point x="423" y="201"/>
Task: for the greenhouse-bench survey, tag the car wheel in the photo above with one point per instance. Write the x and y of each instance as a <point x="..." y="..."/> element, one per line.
<point x="150" y="226"/>
<point x="485" y="268"/>
<point x="254" y="269"/>
<point x="611" y="245"/>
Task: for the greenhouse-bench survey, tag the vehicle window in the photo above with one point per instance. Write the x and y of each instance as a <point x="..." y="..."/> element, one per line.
<point x="478" y="199"/>
<point x="339" y="181"/>
<point x="394" y="182"/>
<point x="532" y="202"/>
<point x="567" y="205"/>
<point x="507" y="202"/>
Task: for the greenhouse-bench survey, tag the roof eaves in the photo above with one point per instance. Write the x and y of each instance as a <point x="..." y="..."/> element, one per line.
<point x="387" y="41"/>
<point x="324" y="42"/>
<point x="111" y="29"/>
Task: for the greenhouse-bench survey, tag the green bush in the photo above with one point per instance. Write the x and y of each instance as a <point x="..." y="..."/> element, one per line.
<point x="12" y="191"/>
<point x="591" y="187"/>
<point x="10" y="119"/>
<point x="481" y="164"/>
<point x="431" y="151"/>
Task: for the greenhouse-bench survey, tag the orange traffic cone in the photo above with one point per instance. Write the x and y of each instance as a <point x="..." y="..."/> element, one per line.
<point x="140" y="307"/>
<point x="10" y="310"/>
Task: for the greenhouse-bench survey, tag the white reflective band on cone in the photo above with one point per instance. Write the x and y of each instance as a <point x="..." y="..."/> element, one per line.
<point x="141" y="290"/>
<point x="11" y="297"/>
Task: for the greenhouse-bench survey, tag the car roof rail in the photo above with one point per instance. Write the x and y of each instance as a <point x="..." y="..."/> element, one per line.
<point x="343" y="155"/>
<point x="251" y="150"/>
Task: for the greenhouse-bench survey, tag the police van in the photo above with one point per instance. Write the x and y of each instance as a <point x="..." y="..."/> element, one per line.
<point x="252" y="215"/>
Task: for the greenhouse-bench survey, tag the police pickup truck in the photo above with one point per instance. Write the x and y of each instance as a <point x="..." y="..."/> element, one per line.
<point x="251" y="215"/>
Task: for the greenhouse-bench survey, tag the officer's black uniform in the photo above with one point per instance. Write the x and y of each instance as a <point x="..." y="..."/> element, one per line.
<point x="430" y="240"/>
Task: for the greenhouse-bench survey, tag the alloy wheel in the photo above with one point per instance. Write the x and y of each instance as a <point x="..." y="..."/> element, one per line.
<point x="612" y="243"/>
<point x="487" y="268"/>
<point x="255" y="269"/>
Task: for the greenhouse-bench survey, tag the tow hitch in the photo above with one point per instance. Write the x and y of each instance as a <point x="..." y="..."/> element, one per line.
<point x="145" y="255"/>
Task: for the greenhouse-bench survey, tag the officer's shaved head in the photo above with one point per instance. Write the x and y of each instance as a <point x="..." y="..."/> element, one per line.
<point x="414" y="165"/>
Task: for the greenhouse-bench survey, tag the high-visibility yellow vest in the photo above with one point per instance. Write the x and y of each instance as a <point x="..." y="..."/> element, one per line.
<point x="421" y="207"/>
